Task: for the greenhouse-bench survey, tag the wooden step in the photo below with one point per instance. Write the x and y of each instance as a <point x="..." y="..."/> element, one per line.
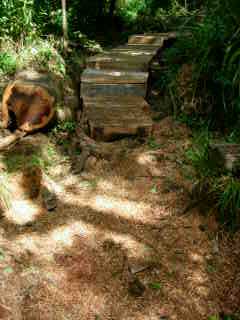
<point x="154" y="39"/>
<point x="113" y="77"/>
<point x="119" y="61"/>
<point x="110" y="116"/>
<point x="136" y="50"/>
<point x="109" y="82"/>
<point x="142" y="39"/>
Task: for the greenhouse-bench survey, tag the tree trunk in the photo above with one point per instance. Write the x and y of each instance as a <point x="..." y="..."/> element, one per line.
<point x="112" y="8"/>
<point x="64" y="26"/>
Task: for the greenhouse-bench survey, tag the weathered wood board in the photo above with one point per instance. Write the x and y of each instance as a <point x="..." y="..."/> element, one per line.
<point x="119" y="61"/>
<point x="110" y="117"/>
<point x="139" y="50"/>
<point x="110" y="82"/>
<point x="154" y="39"/>
<point x="117" y="89"/>
<point x="113" y="77"/>
<point x="114" y="86"/>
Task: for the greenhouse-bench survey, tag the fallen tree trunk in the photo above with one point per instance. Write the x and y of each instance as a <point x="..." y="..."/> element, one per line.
<point x="29" y="101"/>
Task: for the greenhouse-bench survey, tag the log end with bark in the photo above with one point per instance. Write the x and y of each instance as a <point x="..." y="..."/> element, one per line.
<point x="27" y="105"/>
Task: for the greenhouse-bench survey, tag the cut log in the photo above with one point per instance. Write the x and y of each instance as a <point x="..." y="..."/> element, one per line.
<point x="225" y="156"/>
<point x="29" y="101"/>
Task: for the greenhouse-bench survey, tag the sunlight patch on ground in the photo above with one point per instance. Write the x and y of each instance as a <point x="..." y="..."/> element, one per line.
<point x="146" y="158"/>
<point x="134" y="247"/>
<point x="23" y="211"/>
<point x="149" y="160"/>
<point x="121" y="207"/>
<point x="57" y="240"/>
<point x="196" y="257"/>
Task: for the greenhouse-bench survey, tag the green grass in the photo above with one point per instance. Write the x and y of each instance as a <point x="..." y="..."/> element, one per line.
<point x="215" y="182"/>
<point x="155" y="285"/>
<point x="152" y="143"/>
<point x="8" y="63"/>
<point x="43" y="156"/>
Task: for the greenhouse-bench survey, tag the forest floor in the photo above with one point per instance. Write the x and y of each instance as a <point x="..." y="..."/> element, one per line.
<point x="117" y="246"/>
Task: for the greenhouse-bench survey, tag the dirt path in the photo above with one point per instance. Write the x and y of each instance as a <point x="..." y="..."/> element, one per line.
<point x="117" y="246"/>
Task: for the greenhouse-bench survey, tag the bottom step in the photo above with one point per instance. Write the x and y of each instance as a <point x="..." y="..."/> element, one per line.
<point x="115" y="116"/>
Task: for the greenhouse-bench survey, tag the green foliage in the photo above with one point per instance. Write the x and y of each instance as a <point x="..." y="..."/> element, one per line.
<point x="8" y="63"/>
<point x="199" y="157"/>
<point x="40" y="55"/>
<point x="152" y="143"/>
<point x="155" y="285"/>
<point x="65" y="126"/>
<point x="16" y="19"/>
<point x="227" y="189"/>
<point x="214" y="180"/>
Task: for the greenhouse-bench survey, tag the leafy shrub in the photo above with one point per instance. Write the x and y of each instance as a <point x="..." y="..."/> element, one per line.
<point x="38" y="54"/>
<point x="8" y="63"/>
<point x="16" y="18"/>
<point x="222" y="187"/>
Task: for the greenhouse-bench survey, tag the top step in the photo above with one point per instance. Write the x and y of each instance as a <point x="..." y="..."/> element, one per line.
<point x="153" y="39"/>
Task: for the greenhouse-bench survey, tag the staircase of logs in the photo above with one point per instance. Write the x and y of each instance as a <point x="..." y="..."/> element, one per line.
<point x="114" y="87"/>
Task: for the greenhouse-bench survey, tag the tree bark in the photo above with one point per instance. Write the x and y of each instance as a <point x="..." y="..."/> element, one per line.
<point x="112" y="8"/>
<point x="64" y="26"/>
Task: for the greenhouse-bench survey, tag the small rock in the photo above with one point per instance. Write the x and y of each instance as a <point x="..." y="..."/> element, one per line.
<point x="91" y="163"/>
<point x="49" y="199"/>
<point x="215" y="248"/>
<point x="136" y="287"/>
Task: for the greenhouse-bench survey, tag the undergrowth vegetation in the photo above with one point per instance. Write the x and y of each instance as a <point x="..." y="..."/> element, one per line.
<point x="216" y="185"/>
<point x="202" y="78"/>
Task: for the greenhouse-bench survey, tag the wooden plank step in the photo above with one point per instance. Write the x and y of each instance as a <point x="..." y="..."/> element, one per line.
<point x="110" y="117"/>
<point x="136" y="50"/>
<point x="110" y="82"/>
<point x="113" y="77"/>
<point x="141" y="39"/>
<point x="118" y="61"/>
<point x="154" y="39"/>
<point x="117" y="89"/>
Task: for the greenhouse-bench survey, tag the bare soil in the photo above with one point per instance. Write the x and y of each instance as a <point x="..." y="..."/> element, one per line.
<point x="117" y="246"/>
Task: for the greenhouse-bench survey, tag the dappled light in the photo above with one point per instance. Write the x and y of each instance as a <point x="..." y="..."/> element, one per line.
<point x="101" y="232"/>
<point x="22" y="212"/>
<point x="119" y="160"/>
